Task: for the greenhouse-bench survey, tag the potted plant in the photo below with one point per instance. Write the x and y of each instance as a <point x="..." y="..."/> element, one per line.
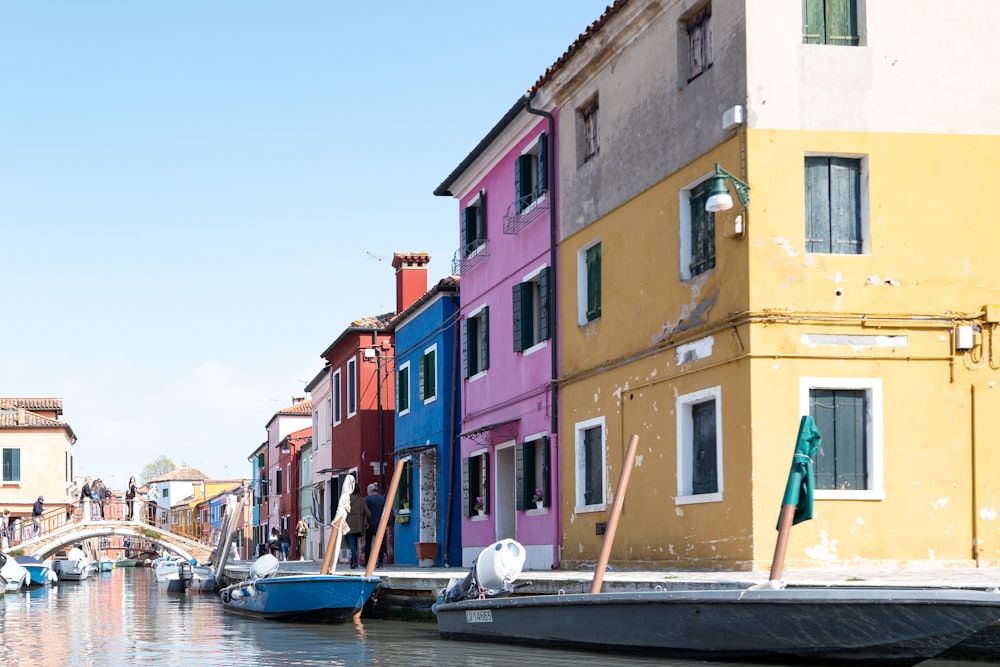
<point x="480" y="505"/>
<point x="539" y="497"/>
<point x="426" y="553"/>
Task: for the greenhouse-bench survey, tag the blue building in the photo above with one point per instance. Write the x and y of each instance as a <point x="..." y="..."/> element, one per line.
<point x="427" y="428"/>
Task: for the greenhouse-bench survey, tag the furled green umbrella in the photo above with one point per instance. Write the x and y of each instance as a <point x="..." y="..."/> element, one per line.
<point x="797" y="504"/>
<point x="802" y="477"/>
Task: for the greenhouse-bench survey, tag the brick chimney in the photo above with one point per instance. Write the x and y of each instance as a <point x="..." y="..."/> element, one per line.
<point x="411" y="277"/>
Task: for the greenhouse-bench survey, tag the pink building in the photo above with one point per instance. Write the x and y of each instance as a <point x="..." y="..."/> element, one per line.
<point x="508" y="224"/>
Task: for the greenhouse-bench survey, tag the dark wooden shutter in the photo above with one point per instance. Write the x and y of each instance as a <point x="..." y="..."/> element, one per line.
<point x="468" y="229"/>
<point x="593" y="262"/>
<point x="481" y="218"/>
<point x="544" y="314"/>
<point x="468" y="501"/>
<point x="593" y="492"/>
<point x="484" y="470"/>
<point x="420" y="381"/>
<point x="842" y="22"/>
<point x="465" y="348"/>
<point x="521" y="475"/>
<point x="484" y="337"/>
<point x="817" y="178"/>
<point x="705" y="477"/>
<point x="543" y="163"/>
<point x="517" y="301"/>
<point x="522" y="181"/>
<point x="546" y="463"/>
<point x="702" y="230"/>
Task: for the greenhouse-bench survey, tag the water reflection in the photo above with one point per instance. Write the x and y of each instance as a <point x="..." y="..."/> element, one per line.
<point x="122" y="618"/>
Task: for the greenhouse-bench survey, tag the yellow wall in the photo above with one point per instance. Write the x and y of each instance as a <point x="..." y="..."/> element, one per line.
<point x="929" y="269"/>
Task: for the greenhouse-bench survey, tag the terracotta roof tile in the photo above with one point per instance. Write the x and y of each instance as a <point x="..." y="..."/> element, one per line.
<point x="31" y="404"/>
<point x="584" y="37"/>
<point x="182" y="475"/>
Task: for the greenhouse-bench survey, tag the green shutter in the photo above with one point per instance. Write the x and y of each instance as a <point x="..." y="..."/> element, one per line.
<point x="403" y="390"/>
<point x="484" y="469"/>
<point x="543" y="162"/>
<point x="817" y="177"/>
<point x="704" y="473"/>
<point x="467" y="500"/>
<point x="465" y="347"/>
<point x="522" y="181"/>
<point x="593" y="264"/>
<point x="546" y="462"/>
<point x="468" y="229"/>
<point x="544" y="309"/>
<point x="813" y="22"/>
<point x="842" y="22"/>
<point x="481" y="217"/>
<point x="517" y="299"/>
<point x="702" y="230"/>
<point x="420" y="379"/>
<point x="520" y="475"/>
<point x="845" y="205"/>
<point x="484" y="338"/>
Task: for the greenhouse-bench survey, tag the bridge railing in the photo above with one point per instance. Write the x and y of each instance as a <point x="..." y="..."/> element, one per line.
<point x="177" y="521"/>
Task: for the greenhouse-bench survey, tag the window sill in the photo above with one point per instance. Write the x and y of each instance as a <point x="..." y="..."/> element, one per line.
<point x="480" y="517"/>
<point x="537" y="511"/>
<point x="830" y="494"/>
<point x="698" y="499"/>
<point x="584" y="509"/>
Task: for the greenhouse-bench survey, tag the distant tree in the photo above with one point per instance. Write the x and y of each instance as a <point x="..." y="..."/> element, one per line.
<point x="160" y="466"/>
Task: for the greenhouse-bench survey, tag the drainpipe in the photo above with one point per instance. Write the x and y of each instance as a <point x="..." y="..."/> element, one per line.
<point x="553" y="310"/>
<point x="454" y="454"/>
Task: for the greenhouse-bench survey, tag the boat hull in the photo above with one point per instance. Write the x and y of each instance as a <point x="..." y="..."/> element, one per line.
<point x="72" y="570"/>
<point x="872" y="626"/>
<point x="316" y="598"/>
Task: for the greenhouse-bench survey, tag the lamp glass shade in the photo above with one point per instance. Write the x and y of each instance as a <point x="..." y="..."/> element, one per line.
<point x="719" y="198"/>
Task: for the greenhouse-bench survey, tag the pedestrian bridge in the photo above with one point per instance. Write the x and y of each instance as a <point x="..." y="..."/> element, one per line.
<point x="54" y="539"/>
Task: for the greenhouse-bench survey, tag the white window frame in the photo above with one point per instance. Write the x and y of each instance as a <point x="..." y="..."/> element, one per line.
<point x="337" y="391"/>
<point x="327" y="419"/>
<point x="581" y="283"/>
<point x="352" y="386"/>
<point x="684" y="220"/>
<point x="580" y="466"/>
<point x="873" y="425"/>
<point x="864" y="204"/>
<point x="536" y="310"/>
<point x="405" y="366"/>
<point x="533" y="149"/>
<point x="685" y="446"/>
<point x="437" y="374"/>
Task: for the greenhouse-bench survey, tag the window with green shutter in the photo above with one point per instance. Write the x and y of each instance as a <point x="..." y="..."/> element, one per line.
<point x="531" y="312"/>
<point x="531" y="174"/>
<point x="705" y="467"/>
<point x="833" y="205"/>
<point x="403" y="389"/>
<point x="474" y="225"/>
<point x="531" y="473"/>
<point x="475" y="485"/>
<point x="476" y="343"/>
<point x="428" y="374"/>
<point x="702" y="230"/>
<point x="593" y="466"/>
<point x="841" y="416"/>
<point x="11" y="464"/>
<point x="832" y="22"/>
<point x="592" y="264"/>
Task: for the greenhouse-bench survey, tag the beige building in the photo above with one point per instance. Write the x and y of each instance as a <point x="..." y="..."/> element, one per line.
<point x="37" y="454"/>
<point x="855" y="283"/>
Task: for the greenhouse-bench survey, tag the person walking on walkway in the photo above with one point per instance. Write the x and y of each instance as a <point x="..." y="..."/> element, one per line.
<point x="376" y="505"/>
<point x="36" y="515"/>
<point x="301" y="533"/>
<point x="286" y="543"/>
<point x="274" y="544"/>
<point x="357" y="522"/>
<point x="5" y="530"/>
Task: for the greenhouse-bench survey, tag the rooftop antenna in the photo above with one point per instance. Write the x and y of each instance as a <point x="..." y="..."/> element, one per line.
<point x="381" y="304"/>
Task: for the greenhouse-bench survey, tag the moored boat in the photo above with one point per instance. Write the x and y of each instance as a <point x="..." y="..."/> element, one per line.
<point x="13" y="576"/>
<point x="105" y="564"/>
<point x="39" y="573"/>
<point x="74" y="567"/>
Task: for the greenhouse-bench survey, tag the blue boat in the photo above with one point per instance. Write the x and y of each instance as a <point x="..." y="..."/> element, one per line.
<point x="39" y="573"/>
<point x="330" y="598"/>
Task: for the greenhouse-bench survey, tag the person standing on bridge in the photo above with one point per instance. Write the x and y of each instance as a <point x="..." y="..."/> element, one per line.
<point x="130" y="499"/>
<point x="87" y="499"/>
<point x="5" y="530"/>
<point x="36" y="515"/>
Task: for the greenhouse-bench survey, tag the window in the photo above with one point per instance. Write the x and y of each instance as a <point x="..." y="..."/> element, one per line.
<point x="830" y="22"/>
<point x="11" y="465"/>
<point x="404" y="494"/>
<point x="588" y="290"/>
<point x="699" y="446"/>
<point x="833" y="205"/>
<point x="326" y="420"/>
<point x="277" y="482"/>
<point x="588" y="145"/>
<point x="428" y="374"/>
<point x="403" y="389"/>
<point x="699" y="35"/>
<point x="165" y="493"/>
<point x="474" y="225"/>
<point x="591" y="470"/>
<point x="532" y="472"/>
<point x="337" y="398"/>
<point x="848" y="414"/>
<point x="476" y="343"/>
<point x="697" y="228"/>
<point x="475" y="484"/>
<point x="531" y="311"/>
<point x="531" y="174"/>
<point x="352" y="387"/>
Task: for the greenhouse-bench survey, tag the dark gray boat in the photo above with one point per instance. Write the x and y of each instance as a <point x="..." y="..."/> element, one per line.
<point x="900" y="626"/>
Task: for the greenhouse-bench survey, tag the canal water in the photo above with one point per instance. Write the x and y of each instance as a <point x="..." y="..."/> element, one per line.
<point x="122" y="618"/>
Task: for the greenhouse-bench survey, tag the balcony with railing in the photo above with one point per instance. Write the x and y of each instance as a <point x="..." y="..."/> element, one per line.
<point x="523" y="211"/>
<point x="469" y="256"/>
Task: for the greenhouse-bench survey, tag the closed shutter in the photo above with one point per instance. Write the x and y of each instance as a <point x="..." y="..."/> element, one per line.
<point x="544" y="310"/>
<point x="594" y="282"/>
<point x="705" y="478"/>
<point x="481" y="217"/>
<point x="484" y="338"/>
<point x="702" y="230"/>
<point x="468" y="502"/>
<point x="430" y="374"/>
<point x="469" y="223"/>
<point x="813" y="22"/>
<point x="484" y="472"/>
<point x="521" y="458"/>
<point x="842" y="461"/>
<point x="817" y="178"/>
<point x="522" y="181"/>
<point x="420" y="381"/>
<point x="465" y="348"/>
<point x="593" y="493"/>
<point x="543" y="163"/>
<point x="842" y="22"/>
<point x="845" y="205"/>
<point x="517" y="300"/>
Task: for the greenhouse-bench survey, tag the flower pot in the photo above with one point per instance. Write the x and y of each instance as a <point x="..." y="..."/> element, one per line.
<point x="426" y="553"/>
<point x="539" y="504"/>
<point x="481" y="512"/>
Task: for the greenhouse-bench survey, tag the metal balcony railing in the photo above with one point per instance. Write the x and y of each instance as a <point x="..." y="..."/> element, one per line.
<point x="524" y="211"/>
<point x="469" y="256"/>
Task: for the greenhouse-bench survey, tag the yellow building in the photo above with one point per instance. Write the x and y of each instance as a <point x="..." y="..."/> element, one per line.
<point x="857" y="283"/>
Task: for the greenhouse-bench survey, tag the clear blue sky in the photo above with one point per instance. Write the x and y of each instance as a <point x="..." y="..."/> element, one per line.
<point x="190" y="190"/>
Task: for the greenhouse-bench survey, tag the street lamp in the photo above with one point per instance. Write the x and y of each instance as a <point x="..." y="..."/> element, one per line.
<point x="719" y="198"/>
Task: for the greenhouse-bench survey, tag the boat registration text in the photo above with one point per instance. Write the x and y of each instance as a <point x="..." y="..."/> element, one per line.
<point x="479" y="616"/>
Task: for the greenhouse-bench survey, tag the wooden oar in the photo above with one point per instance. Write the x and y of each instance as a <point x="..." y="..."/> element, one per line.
<point x="616" y="511"/>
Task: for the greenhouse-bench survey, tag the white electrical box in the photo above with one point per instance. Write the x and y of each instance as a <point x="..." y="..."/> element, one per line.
<point x="732" y="117"/>
<point x="964" y="338"/>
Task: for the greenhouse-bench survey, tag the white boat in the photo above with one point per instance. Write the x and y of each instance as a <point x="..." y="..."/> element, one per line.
<point x="13" y="575"/>
<point x="75" y="567"/>
<point x="175" y="574"/>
